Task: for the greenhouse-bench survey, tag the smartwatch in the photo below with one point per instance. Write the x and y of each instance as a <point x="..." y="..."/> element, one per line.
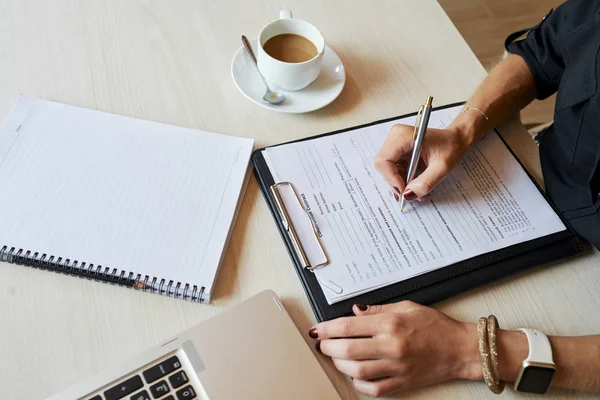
<point x="538" y="368"/>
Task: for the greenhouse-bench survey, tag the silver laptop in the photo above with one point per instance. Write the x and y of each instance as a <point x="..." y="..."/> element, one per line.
<point x="250" y="351"/>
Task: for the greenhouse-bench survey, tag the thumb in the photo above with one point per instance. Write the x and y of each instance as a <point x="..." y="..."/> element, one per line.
<point x="422" y="185"/>
<point x="397" y="145"/>
<point x="399" y="307"/>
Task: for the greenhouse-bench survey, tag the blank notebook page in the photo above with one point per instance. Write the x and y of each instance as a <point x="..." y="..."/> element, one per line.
<point x="129" y="194"/>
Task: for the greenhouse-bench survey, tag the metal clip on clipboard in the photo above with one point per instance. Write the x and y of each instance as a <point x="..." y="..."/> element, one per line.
<point x="297" y="244"/>
<point x="289" y="227"/>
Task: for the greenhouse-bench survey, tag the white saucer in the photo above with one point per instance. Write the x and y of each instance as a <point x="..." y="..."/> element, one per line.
<point x="325" y="89"/>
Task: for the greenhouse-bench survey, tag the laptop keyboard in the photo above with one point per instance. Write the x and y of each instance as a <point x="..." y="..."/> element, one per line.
<point x="165" y="381"/>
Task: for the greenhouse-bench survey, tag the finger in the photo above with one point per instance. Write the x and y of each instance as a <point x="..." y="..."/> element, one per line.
<point x="355" y="349"/>
<point x="389" y="171"/>
<point x="345" y="327"/>
<point x="399" y="307"/>
<point x="368" y="369"/>
<point x="381" y="387"/>
<point x="397" y="144"/>
<point x="423" y="184"/>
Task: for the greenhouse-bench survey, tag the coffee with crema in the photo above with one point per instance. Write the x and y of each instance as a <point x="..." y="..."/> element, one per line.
<point x="290" y="48"/>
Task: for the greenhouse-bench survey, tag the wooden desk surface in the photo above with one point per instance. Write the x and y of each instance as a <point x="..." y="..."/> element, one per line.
<point x="169" y="61"/>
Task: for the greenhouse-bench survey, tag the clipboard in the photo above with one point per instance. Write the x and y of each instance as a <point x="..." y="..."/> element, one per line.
<point x="430" y="287"/>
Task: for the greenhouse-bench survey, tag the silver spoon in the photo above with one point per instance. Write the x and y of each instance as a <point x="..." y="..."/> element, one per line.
<point x="270" y="96"/>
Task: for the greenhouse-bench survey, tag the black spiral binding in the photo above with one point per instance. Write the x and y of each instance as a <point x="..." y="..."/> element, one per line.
<point x="103" y="274"/>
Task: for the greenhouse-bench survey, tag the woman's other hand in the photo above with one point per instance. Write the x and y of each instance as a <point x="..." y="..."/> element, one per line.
<point x="385" y="348"/>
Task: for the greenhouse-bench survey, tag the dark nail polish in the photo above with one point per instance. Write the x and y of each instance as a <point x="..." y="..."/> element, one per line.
<point x="410" y="195"/>
<point x="318" y="346"/>
<point x="396" y="197"/>
<point x="362" y="307"/>
<point x="313" y="333"/>
<point x="397" y="190"/>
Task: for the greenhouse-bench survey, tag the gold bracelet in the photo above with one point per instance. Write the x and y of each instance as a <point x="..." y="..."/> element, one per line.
<point x="492" y="328"/>
<point x="484" y="355"/>
<point x="488" y="353"/>
<point x="465" y="109"/>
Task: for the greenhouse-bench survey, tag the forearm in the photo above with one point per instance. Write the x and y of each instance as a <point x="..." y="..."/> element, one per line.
<point x="508" y="88"/>
<point x="577" y="358"/>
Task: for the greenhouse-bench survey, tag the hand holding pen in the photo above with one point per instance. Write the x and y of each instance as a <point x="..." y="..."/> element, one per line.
<point x="439" y="149"/>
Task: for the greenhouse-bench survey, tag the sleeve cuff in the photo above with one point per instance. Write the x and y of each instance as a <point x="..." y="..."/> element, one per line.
<point x="544" y="85"/>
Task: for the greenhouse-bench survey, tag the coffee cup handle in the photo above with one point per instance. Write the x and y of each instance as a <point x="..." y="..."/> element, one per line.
<point x="285" y="14"/>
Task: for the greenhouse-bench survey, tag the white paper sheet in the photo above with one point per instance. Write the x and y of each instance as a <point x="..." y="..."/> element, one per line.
<point x="133" y="195"/>
<point x="488" y="203"/>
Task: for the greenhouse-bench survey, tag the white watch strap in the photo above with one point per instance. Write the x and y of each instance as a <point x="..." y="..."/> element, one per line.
<point x="539" y="346"/>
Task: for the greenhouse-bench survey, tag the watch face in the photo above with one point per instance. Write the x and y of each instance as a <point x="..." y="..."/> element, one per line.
<point x="536" y="379"/>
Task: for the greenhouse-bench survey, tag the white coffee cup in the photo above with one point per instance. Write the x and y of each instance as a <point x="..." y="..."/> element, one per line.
<point x="284" y="75"/>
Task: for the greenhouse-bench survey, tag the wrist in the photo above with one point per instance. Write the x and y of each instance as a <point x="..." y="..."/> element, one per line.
<point x="469" y="127"/>
<point x="512" y="350"/>
<point x="468" y="363"/>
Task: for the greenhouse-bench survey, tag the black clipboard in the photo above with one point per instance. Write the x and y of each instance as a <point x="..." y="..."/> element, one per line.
<point x="433" y="286"/>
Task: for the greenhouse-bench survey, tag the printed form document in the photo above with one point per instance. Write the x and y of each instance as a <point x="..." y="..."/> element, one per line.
<point x="486" y="204"/>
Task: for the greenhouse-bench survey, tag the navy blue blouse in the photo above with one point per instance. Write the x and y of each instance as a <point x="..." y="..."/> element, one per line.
<point x="563" y="54"/>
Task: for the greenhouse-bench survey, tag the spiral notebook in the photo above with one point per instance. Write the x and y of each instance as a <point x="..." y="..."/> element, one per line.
<point x="116" y="199"/>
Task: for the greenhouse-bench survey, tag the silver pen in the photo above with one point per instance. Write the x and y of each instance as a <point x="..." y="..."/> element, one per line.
<point x="418" y="137"/>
